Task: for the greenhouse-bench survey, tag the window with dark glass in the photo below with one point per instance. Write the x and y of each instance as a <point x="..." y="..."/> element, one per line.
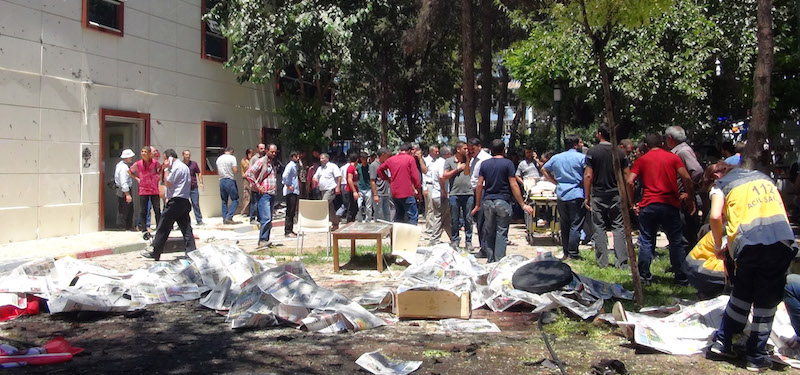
<point x="104" y="15"/>
<point x="214" y="45"/>
<point x="215" y="140"/>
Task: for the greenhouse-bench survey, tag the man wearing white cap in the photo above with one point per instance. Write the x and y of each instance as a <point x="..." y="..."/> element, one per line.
<point x="123" y="191"/>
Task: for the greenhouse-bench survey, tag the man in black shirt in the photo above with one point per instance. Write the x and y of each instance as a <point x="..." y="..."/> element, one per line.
<point x="603" y="199"/>
<point x="497" y="179"/>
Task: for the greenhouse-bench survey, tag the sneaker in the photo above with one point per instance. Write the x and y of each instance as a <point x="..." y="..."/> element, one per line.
<point x="253" y="222"/>
<point x="291" y="235"/>
<point x="150" y="255"/>
<point x="760" y="365"/>
<point x="199" y="223"/>
<point x="262" y="243"/>
<point x="718" y="348"/>
<point x="227" y="221"/>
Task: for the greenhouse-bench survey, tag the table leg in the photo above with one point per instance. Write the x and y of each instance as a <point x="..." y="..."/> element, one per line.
<point x="380" y="254"/>
<point x="352" y="247"/>
<point x="335" y="253"/>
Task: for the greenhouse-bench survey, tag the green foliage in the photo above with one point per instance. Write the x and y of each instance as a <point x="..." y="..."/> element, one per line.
<point x="304" y="124"/>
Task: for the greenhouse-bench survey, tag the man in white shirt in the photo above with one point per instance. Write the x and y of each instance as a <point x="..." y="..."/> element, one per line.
<point x="328" y="176"/>
<point x="227" y="169"/>
<point x="440" y="204"/>
<point x="479" y="155"/>
<point x="179" y="186"/>
<point x="427" y="185"/>
<point x="123" y="181"/>
<point x="291" y="189"/>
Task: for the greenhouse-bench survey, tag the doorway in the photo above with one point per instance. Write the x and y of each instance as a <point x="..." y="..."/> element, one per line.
<point x="118" y="130"/>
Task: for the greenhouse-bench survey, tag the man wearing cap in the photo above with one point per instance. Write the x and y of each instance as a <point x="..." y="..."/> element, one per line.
<point x="123" y="191"/>
<point x="179" y="183"/>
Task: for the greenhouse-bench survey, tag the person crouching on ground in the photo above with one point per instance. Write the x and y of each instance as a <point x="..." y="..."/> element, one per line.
<point x="179" y="183"/>
<point x="761" y="245"/>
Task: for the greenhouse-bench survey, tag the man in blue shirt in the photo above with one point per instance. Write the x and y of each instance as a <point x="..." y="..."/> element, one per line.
<point x="291" y="189"/>
<point x="566" y="171"/>
<point x="498" y="180"/>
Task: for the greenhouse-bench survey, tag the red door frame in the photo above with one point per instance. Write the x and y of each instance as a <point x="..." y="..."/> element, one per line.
<point x="113" y="112"/>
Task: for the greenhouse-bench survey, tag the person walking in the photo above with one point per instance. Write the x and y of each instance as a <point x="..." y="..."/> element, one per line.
<point x="123" y="182"/>
<point x="364" y="189"/>
<point x="405" y="183"/>
<point x="381" y="193"/>
<point x="603" y="199"/>
<point x="178" y="183"/>
<point x="565" y="169"/>
<point x="498" y="180"/>
<point x="351" y="194"/>
<point x="328" y="178"/>
<point x="227" y="169"/>
<point x="197" y="181"/>
<point x="255" y="196"/>
<point x="659" y="170"/>
<point x="147" y="173"/>
<point x="291" y="191"/>
<point x="748" y="208"/>
<point x="263" y="175"/>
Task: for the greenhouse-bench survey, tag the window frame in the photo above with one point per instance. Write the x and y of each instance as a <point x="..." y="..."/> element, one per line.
<point x="203" y="35"/>
<point x="203" y="125"/>
<point x="102" y="28"/>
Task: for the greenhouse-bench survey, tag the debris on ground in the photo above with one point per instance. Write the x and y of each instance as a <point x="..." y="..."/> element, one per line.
<point x="378" y="364"/>
<point x="468" y="326"/>
<point x="54" y="351"/>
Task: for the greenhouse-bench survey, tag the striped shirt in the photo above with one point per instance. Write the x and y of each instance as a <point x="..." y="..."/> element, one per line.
<point x="262" y="175"/>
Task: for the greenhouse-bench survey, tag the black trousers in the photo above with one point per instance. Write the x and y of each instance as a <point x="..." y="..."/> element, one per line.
<point x="176" y="210"/>
<point x="291" y="212"/>
<point x="155" y="201"/>
<point x="351" y="204"/>
<point x="124" y="214"/>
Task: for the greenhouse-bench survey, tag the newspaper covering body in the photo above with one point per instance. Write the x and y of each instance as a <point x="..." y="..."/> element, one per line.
<point x="468" y="326"/>
<point x="378" y="364"/>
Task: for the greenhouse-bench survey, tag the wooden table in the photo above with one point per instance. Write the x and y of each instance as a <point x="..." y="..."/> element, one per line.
<point x="360" y="231"/>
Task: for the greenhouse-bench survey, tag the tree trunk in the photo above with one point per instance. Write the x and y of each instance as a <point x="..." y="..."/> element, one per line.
<point x="486" y="70"/>
<point x="757" y="133"/>
<point x="468" y="64"/>
<point x="519" y="114"/>
<point x="501" y="104"/>
<point x="457" y="120"/>
<point x="599" y="46"/>
<point x="384" y="115"/>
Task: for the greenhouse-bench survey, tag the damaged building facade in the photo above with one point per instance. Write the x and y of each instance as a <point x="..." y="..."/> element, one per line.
<point x="81" y="80"/>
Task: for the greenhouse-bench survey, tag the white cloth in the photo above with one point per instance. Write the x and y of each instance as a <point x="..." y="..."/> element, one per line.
<point x="121" y="176"/>
<point x="225" y="165"/>
<point x="475" y="167"/>
<point x="427" y="178"/>
<point x="181" y="180"/>
<point x="327" y="175"/>
<point x="343" y="173"/>
<point x="436" y="170"/>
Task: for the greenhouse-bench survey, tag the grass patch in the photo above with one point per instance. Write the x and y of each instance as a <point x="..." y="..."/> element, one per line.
<point x="365" y="257"/>
<point x="662" y="291"/>
<point x="435" y="353"/>
<point x="568" y="326"/>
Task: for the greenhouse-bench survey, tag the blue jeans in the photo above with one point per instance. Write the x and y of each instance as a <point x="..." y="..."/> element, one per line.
<point x="460" y="207"/>
<point x="228" y="189"/>
<point x="791" y="297"/>
<point x="571" y="216"/>
<point x="194" y="194"/>
<point x="669" y="218"/>
<point x="405" y="210"/>
<point x="496" y="219"/>
<point x="382" y="209"/>
<point x="265" y="203"/>
<point x="254" y="197"/>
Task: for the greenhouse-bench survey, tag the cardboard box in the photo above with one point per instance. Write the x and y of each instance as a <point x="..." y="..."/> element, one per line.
<point x="432" y="304"/>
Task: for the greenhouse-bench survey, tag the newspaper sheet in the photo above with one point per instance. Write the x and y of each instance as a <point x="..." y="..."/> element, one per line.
<point x="468" y="326"/>
<point x="378" y="364"/>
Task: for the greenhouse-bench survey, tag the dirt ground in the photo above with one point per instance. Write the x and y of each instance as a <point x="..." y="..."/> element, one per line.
<point x="186" y="338"/>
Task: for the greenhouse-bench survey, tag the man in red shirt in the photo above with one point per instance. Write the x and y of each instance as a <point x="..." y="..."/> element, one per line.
<point x="351" y="191"/>
<point x="147" y="172"/>
<point x="658" y="171"/>
<point x="405" y="184"/>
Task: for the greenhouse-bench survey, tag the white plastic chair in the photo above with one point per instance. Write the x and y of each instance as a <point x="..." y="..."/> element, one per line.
<point x="312" y="217"/>
<point x="405" y="237"/>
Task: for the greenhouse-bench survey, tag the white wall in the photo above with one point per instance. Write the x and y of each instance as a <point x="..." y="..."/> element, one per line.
<point x="55" y="75"/>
